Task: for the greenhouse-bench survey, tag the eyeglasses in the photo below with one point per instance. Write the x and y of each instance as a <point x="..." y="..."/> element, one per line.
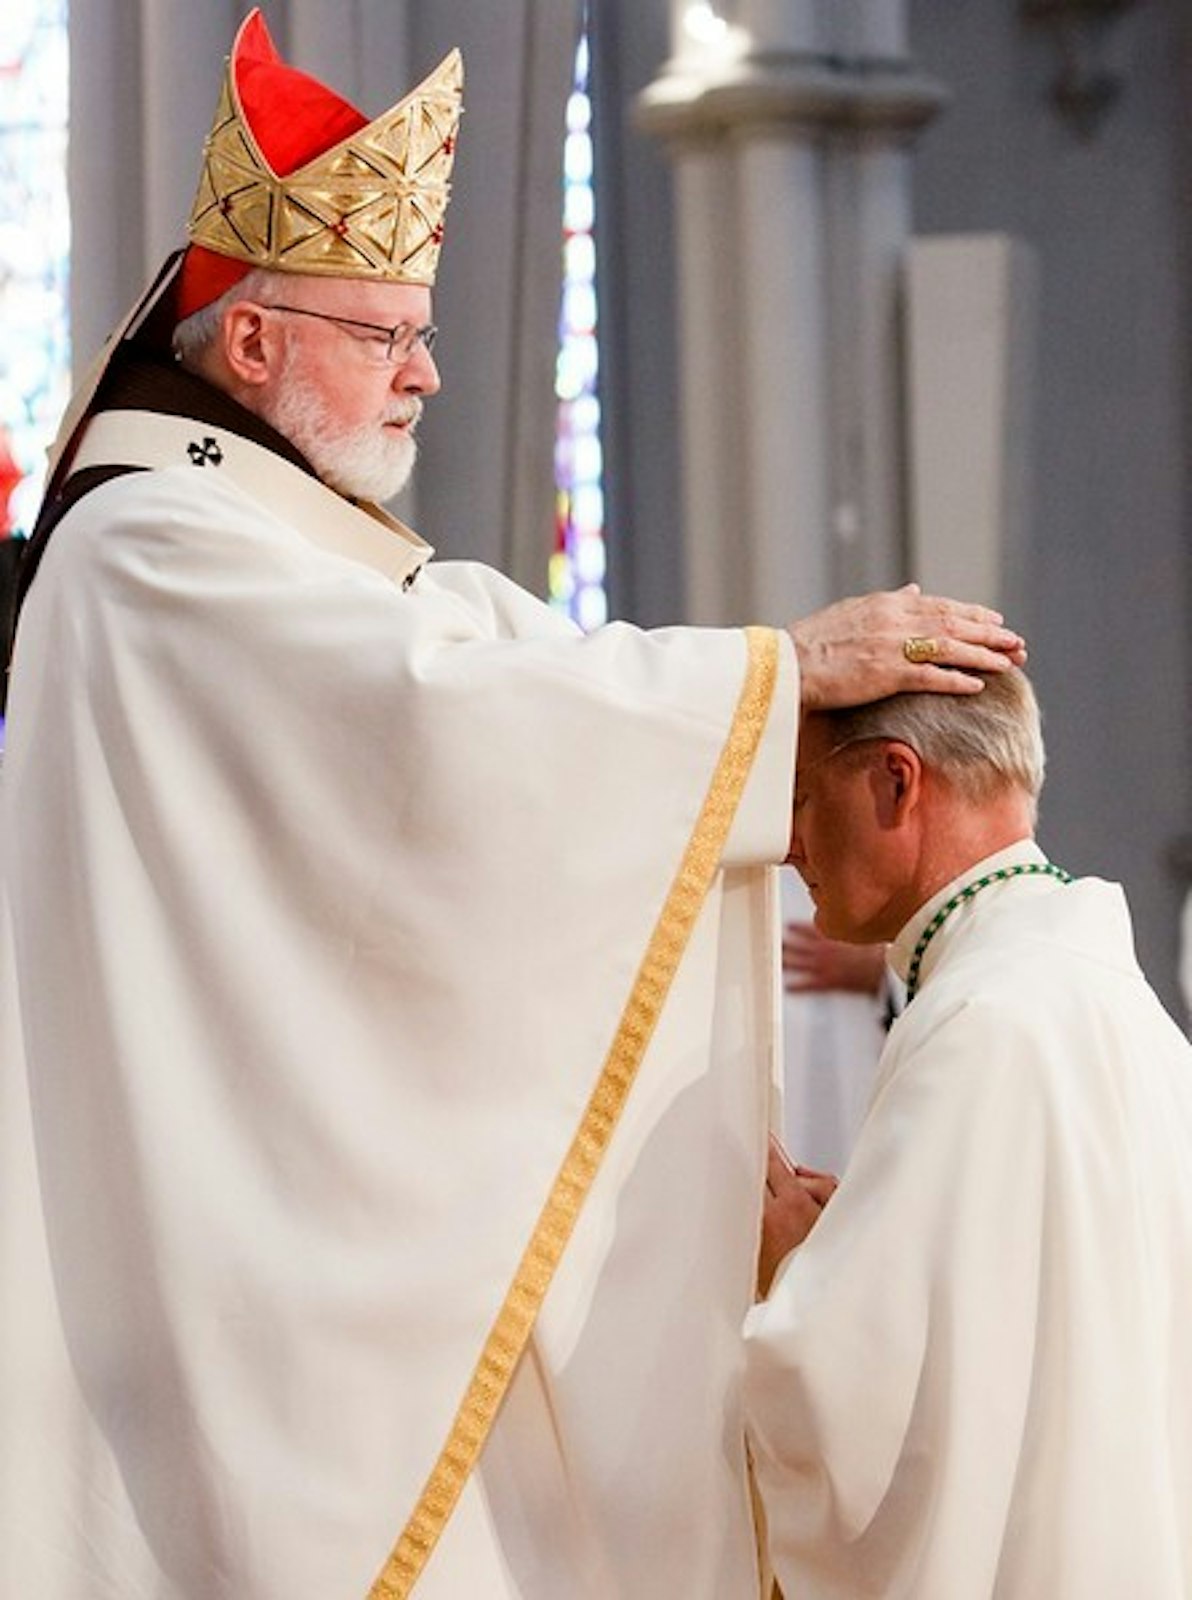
<point x="394" y="346"/>
<point x="803" y="773"/>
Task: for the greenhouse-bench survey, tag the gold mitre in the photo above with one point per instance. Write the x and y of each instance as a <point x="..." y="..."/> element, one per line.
<point x="370" y="206"/>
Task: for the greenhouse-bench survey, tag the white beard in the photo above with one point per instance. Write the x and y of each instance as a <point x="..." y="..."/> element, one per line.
<point x="363" y="462"/>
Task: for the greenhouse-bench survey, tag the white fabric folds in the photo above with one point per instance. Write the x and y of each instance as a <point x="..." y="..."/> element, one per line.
<point x="973" y="1379"/>
<point x="322" y="905"/>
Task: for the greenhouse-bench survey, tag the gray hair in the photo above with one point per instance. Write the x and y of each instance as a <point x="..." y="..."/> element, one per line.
<point x="981" y="743"/>
<point x="195" y="334"/>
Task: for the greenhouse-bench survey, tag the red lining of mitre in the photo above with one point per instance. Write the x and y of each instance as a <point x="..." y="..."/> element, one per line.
<point x="293" y="118"/>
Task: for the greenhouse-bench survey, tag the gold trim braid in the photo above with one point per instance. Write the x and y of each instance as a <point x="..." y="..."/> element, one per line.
<point x="515" y="1320"/>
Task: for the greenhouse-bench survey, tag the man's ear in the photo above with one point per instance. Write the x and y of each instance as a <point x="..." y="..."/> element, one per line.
<point x="251" y="348"/>
<point x="902" y="782"/>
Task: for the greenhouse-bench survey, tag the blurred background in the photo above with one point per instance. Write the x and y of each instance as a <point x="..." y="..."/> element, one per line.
<point x="746" y="305"/>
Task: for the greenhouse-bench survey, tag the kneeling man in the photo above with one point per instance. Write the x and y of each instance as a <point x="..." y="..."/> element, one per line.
<point x="971" y="1379"/>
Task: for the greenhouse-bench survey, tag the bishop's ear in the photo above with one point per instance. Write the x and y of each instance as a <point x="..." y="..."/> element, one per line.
<point x="901" y="781"/>
<point x="251" y="347"/>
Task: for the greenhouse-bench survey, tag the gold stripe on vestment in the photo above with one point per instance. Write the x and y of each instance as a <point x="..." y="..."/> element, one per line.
<point x="515" y="1320"/>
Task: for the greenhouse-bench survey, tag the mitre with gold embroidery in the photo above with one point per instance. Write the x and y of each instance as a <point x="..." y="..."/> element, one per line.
<point x="297" y="180"/>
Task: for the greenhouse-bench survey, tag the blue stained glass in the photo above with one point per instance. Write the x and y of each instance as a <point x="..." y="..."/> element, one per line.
<point x="575" y="373"/>
<point x="577" y="568"/>
<point x="579" y="112"/>
<point x="579" y="305"/>
<point x="589" y="559"/>
<point x="588" y="460"/>
<point x="577" y="158"/>
<point x="34" y="245"/>
<point x="586" y="413"/>
<point x="34" y="254"/>
<point x="579" y="259"/>
<point x="591" y="607"/>
<point x="579" y="209"/>
<point x="587" y="508"/>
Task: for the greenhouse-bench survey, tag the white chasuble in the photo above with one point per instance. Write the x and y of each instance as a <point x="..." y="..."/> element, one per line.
<point x="326" y="911"/>
<point x="973" y="1381"/>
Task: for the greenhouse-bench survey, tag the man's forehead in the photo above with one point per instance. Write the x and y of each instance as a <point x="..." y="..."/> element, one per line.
<point x="366" y="299"/>
<point x="816" y="738"/>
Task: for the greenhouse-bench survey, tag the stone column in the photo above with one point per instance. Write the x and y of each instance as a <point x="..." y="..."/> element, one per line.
<point x="803" y="112"/>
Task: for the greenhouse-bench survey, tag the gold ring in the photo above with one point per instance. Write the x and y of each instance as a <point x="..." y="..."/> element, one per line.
<point x="918" y="650"/>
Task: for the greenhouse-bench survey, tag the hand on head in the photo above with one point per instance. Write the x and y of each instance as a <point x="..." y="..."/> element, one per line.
<point x="881" y="644"/>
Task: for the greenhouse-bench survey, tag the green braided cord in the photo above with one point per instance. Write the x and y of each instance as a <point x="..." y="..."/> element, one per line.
<point x="1028" y="869"/>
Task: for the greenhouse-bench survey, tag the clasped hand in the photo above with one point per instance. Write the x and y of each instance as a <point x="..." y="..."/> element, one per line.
<point x="795" y="1197"/>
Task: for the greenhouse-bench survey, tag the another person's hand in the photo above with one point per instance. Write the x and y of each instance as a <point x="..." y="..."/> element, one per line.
<point x="815" y="964"/>
<point x="795" y="1196"/>
<point x="882" y="644"/>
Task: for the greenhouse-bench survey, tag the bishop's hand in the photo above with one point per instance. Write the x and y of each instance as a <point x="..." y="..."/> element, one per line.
<point x="891" y="643"/>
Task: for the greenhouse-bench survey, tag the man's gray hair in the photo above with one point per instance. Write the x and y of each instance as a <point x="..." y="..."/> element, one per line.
<point x="195" y="334"/>
<point x="981" y="743"/>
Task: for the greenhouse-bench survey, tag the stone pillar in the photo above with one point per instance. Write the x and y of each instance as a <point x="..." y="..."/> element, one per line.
<point x="792" y="426"/>
<point x="782" y="283"/>
<point x="712" y="410"/>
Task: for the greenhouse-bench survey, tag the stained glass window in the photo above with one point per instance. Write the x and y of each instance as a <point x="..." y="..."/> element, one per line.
<point x="34" y="248"/>
<point x="577" y="566"/>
